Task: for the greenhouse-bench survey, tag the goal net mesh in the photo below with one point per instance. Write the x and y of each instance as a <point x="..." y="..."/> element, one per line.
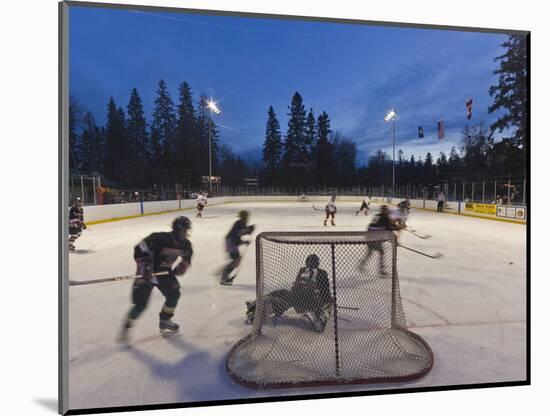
<point x="340" y="321"/>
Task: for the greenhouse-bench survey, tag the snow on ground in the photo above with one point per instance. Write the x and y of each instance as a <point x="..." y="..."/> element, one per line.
<point x="469" y="305"/>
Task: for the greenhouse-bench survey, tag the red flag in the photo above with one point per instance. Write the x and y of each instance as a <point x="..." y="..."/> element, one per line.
<point x="440" y="129"/>
<point x="469" y="105"/>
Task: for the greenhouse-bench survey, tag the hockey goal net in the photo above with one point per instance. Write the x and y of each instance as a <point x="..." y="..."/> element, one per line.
<point x="348" y="326"/>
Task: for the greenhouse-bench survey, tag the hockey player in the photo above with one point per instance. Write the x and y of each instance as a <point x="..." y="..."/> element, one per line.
<point x="309" y="296"/>
<point x="404" y="209"/>
<point x="157" y="258"/>
<point x="232" y="242"/>
<point x="201" y="202"/>
<point x="330" y="210"/>
<point x="303" y="198"/>
<point x="382" y="222"/>
<point x="76" y="222"/>
<point x="364" y="206"/>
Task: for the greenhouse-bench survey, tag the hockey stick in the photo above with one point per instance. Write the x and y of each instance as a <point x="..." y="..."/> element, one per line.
<point x="347" y="307"/>
<point x="112" y="279"/>
<point x="317" y="209"/>
<point x="417" y="234"/>
<point x="176" y="263"/>
<point x="432" y="256"/>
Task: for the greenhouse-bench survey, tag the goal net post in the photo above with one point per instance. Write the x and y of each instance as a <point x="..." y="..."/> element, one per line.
<point x="327" y="311"/>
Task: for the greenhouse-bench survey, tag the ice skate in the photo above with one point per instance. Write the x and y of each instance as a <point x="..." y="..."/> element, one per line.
<point x="124" y="335"/>
<point x="318" y="321"/>
<point x="168" y="327"/>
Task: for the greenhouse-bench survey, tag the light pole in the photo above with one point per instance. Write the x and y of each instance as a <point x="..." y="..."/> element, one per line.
<point x="211" y="107"/>
<point x="391" y="117"/>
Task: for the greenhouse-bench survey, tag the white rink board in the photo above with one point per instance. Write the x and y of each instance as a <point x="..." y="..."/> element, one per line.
<point x="469" y="305"/>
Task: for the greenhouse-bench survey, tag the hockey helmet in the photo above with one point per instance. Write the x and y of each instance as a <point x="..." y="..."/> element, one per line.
<point x="312" y="261"/>
<point x="243" y="215"/>
<point x="181" y="223"/>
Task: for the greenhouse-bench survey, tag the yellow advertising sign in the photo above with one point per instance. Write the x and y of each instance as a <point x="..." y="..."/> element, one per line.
<point x="482" y="208"/>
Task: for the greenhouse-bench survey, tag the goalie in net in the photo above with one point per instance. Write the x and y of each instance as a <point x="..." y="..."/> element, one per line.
<point x="309" y="296"/>
<point x="320" y="319"/>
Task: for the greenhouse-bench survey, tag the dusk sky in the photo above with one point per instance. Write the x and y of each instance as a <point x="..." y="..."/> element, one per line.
<point x="354" y="72"/>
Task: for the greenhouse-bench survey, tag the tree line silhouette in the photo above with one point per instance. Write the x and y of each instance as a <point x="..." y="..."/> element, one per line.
<point x="173" y="147"/>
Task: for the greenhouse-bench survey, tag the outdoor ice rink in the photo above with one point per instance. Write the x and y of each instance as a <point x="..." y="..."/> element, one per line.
<point x="469" y="305"/>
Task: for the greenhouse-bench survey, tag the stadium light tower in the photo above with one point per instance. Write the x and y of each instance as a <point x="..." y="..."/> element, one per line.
<point x="212" y="107"/>
<point x="391" y="116"/>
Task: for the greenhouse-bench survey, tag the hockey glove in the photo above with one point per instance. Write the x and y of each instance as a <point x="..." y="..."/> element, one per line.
<point x="144" y="269"/>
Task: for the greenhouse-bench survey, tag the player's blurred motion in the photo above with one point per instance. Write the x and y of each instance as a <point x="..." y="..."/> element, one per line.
<point x="385" y="220"/>
<point x="76" y="222"/>
<point x="365" y="205"/>
<point x="303" y="198"/>
<point x="330" y="210"/>
<point x="232" y="242"/>
<point x="404" y="208"/>
<point x="164" y="252"/>
<point x="309" y="296"/>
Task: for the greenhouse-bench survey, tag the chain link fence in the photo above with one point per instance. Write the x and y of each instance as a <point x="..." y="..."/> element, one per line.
<point x="92" y="190"/>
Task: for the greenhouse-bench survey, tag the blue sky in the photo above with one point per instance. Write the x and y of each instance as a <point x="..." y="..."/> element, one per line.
<point x="354" y="72"/>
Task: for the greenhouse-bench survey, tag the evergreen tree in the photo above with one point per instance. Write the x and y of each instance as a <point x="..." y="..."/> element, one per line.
<point x="114" y="142"/>
<point x="75" y="122"/>
<point x="511" y="92"/>
<point x="324" y="151"/>
<point x="91" y="150"/>
<point x="295" y="156"/>
<point x="272" y="149"/>
<point x="163" y="128"/>
<point x="186" y="138"/>
<point x="311" y="134"/>
<point x="511" y="95"/>
<point x="138" y="141"/>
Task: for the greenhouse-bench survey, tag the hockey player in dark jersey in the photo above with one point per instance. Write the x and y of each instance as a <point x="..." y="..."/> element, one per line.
<point x="76" y="222"/>
<point x="232" y="242"/>
<point x="160" y="257"/>
<point x="382" y="222"/>
<point x="365" y="205"/>
<point x="309" y="295"/>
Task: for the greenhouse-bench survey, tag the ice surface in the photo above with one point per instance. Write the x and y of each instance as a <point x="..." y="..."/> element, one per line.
<point x="469" y="305"/>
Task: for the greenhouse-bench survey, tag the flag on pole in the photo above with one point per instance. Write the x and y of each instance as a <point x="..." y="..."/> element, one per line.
<point x="469" y="105"/>
<point x="420" y="132"/>
<point x="440" y="129"/>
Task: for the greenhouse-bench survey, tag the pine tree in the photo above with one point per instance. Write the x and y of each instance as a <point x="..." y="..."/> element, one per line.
<point x="511" y="92"/>
<point x="186" y="138"/>
<point x="114" y="142"/>
<point x="75" y="122"/>
<point x="295" y="156"/>
<point x="324" y="151"/>
<point x="511" y="95"/>
<point x="272" y="149"/>
<point x="138" y="140"/>
<point x="163" y="128"/>
<point x="91" y="143"/>
<point x="311" y="133"/>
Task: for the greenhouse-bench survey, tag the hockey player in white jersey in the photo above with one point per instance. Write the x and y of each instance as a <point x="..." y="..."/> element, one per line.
<point x="201" y="202"/>
<point x="330" y="210"/>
